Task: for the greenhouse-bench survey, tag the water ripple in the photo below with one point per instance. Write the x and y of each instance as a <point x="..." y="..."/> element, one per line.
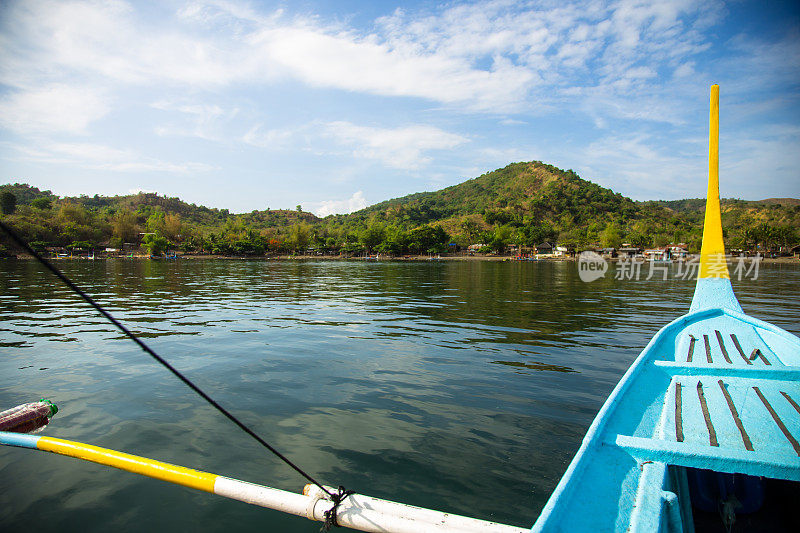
<point x="432" y="384"/>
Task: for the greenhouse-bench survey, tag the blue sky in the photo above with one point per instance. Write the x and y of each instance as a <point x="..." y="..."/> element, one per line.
<point x="336" y="105"/>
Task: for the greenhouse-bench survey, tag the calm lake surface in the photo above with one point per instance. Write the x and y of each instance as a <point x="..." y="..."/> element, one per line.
<point x="461" y="386"/>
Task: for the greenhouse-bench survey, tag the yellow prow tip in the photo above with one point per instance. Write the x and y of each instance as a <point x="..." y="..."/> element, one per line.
<point x="712" y="252"/>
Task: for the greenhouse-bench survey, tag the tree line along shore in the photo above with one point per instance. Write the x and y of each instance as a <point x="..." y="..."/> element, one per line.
<point x="514" y="210"/>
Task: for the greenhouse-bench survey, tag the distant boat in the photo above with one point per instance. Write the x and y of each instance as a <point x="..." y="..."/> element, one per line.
<point x="705" y="417"/>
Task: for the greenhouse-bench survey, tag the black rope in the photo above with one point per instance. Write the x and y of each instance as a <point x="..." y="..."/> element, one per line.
<point x="330" y="514"/>
<point x="21" y="242"/>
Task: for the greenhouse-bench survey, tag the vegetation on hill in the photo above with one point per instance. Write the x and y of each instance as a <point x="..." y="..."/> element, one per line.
<point x="764" y="225"/>
<point x="523" y="204"/>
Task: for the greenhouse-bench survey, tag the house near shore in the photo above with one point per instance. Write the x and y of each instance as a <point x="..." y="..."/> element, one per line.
<point x="679" y="251"/>
<point x="57" y="251"/>
<point x="656" y="254"/>
<point x="607" y="252"/>
<point x="664" y="253"/>
<point x="519" y="250"/>
<point x="545" y="248"/>
<point x="629" y="251"/>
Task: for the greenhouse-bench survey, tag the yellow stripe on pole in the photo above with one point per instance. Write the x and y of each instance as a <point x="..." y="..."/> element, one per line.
<point x="712" y="252"/>
<point x="132" y="463"/>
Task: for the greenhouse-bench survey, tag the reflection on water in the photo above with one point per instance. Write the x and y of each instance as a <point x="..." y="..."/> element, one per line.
<point x="535" y="365"/>
<point x="462" y="386"/>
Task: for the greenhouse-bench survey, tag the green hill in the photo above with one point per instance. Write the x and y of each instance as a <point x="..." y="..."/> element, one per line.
<point x="534" y="188"/>
<point x="522" y="203"/>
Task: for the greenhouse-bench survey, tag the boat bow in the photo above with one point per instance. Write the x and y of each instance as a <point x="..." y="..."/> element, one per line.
<point x="714" y="393"/>
<point x="713" y="288"/>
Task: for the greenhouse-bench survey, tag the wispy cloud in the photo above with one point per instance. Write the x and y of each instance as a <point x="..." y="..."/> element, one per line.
<point x="644" y="169"/>
<point x="52" y="109"/>
<point x="417" y="89"/>
<point x="204" y="121"/>
<point x="485" y="56"/>
<point x="273" y="139"/>
<point x="613" y="48"/>
<point x="757" y="64"/>
<point x="332" y="207"/>
<point x="137" y="190"/>
<point x="102" y="157"/>
<point x="396" y="147"/>
<point x="103" y="40"/>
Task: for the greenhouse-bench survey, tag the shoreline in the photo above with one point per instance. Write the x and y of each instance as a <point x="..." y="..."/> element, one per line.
<point x="407" y="258"/>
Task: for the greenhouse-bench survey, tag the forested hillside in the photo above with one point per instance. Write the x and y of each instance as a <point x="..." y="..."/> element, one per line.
<point x="522" y="203"/>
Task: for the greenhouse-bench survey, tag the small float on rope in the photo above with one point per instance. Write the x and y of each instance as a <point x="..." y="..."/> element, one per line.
<point x="28" y="416"/>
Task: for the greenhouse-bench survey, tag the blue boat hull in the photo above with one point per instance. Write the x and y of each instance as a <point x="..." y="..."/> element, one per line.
<point x="700" y="395"/>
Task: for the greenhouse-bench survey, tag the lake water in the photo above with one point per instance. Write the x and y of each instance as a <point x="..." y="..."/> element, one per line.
<point x="460" y="386"/>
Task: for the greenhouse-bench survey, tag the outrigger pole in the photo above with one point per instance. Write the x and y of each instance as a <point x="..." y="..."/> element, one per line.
<point x="356" y="511"/>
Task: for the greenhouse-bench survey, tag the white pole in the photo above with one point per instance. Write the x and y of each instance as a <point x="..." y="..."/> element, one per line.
<point x="420" y="519"/>
<point x="357" y="511"/>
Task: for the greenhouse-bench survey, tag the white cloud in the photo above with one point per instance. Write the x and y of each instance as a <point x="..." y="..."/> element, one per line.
<point x="405" y="147"/>
<point x="358" y="64"/>
<point x="488" y="56"/>
<point x="632" y="66"/>
<point x="204" y="121"/>
<point x="331" y="207"/>
<point x="55" y="108"/>
<point x="109" y="42"/>
<point x="503" y="156"/>
<point x="399" y="147"/>
<point x="100" y="157"/>
<point x="762" y="162"/>
<point x="756" y="64"/>
<point x="273" y="139"/>
<point x="642" y="168"/>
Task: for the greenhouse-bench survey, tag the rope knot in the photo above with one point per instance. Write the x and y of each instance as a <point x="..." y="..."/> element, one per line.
<point x="330" y="515"/>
